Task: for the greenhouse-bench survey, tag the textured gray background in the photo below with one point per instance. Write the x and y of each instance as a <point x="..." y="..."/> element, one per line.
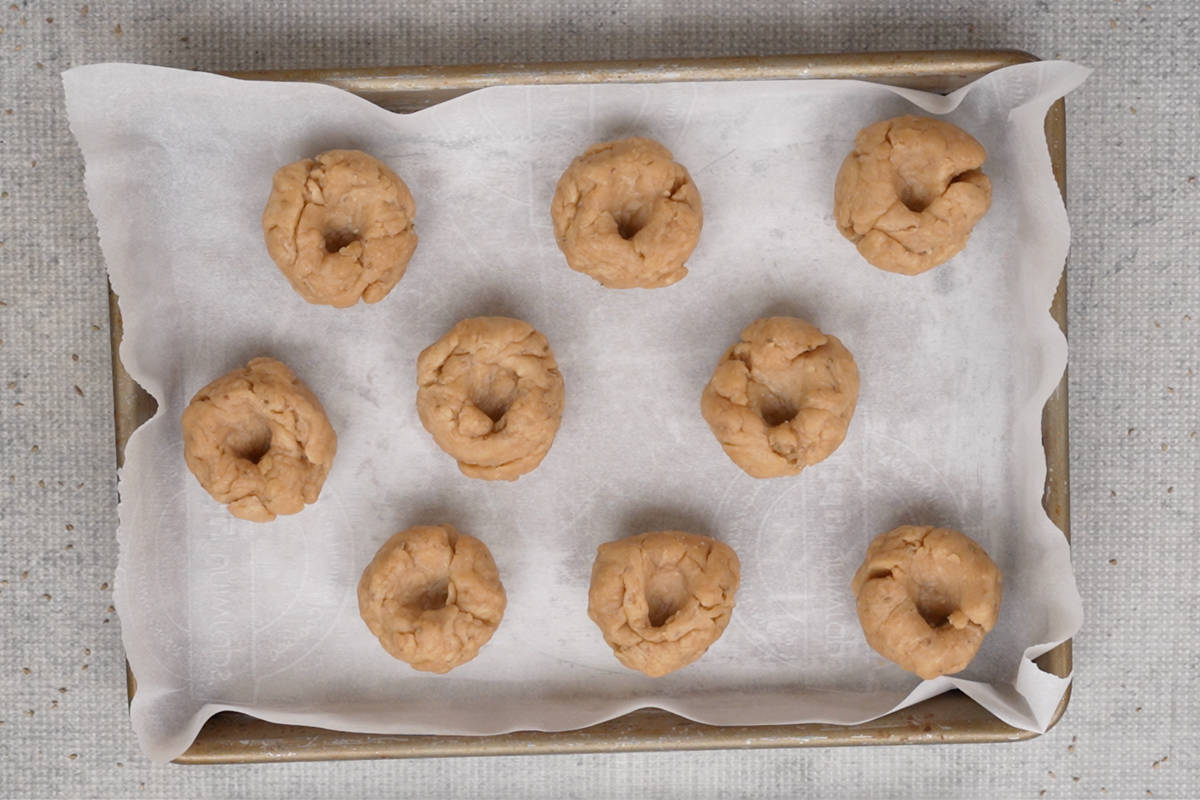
<point x="1134" y="200"/>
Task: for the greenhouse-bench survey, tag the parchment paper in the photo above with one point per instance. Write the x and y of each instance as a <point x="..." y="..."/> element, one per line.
<point x="956" y="364"/>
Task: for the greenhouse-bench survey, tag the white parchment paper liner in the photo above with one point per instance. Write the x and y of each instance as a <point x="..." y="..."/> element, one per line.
<point x="956" y="364"/>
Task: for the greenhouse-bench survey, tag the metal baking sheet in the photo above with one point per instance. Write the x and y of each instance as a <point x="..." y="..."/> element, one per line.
<point x="231" y="737"/>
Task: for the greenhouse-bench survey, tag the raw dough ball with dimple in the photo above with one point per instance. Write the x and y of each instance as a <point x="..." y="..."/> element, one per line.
<point x="432" y="596"/>
<point x="258" y="440"/>
<point x="926" y="598"/>
<point x="781" y="399"/>
<point x="491" y="394"/>
<point x="340" y="227"/>
<point x="662" y="598"/>
<point x="626" y="214"/>
<point x="910" y="192"/>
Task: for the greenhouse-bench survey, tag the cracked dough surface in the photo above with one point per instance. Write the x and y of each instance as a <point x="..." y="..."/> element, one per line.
<point x="432" y="596"/>
<point x="490" y="393"/>
<point x="340" y="227"/>
<point x="910" y="192"/>
<point x="926" y="598"/>
<point x="627" y="215"/>
<point x="781" y="399"/>
<point x="662" y="598"/>
<point x="258" y="440"/>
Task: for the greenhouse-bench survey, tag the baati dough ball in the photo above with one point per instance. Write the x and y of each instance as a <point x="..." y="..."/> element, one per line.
<point x="432" y="596"/>
<point x="258" y="440"/>
<point x="490" y="393"/>
<point x="926" y="598"/>
<point x="627" y="215"/>
<point x="340" y="227"/>
<point x="782" y="397"/>
<point x="911" y="192"/>
<point x="662" y="598"/>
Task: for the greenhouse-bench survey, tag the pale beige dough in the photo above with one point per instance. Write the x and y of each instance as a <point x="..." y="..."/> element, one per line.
<point x="781" y="399"/>
<point x="340" y="227"/>
<point x="490" y="393"/>
<point x="626" y="214"/>
<point x="911" y="192"/>
<point x="662" y="598"/>
<point x="432" y="596"/>
<point x="258" y="440"/>
<point x="926" y="598"/>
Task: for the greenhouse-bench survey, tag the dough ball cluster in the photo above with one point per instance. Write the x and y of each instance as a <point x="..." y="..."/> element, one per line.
<point x="340" y="227"/>
<point x="627" y="215"/>
<point x="911" y="192"/>
<point x="781" y="398"/>
<point x="432" y="596"/>
<point x="490" y="393"/>
<point x="662" y="598"/>
<point x="258" y="440"/>
<point x="926" y="598"/>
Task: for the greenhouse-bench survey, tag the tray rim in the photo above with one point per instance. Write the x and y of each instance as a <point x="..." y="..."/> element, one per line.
<point x="230" y="737"/>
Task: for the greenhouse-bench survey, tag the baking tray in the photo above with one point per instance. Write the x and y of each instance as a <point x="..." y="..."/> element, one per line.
<point x="230" y="737"/>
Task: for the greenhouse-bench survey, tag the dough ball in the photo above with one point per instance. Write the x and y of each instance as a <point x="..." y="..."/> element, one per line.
<point x="626" y="214"/>
<point x="340" y="227"/>
<point x="926" y="598"/>
<point x="432" y="596"/>
<point x="782" y="397"/>
<point x="258" y="440"/>
<point x="911" y="192"/>
<point x="490" y="393"/>
<point x="662" y="598"/>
